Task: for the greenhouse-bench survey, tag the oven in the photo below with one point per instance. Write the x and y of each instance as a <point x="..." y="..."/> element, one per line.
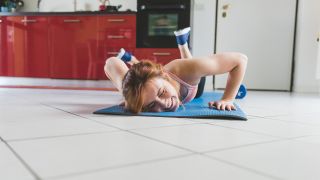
<point x="157" y="19"/>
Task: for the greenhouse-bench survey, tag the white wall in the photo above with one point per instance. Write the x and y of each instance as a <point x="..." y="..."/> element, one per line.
<point x="68" y="5"/>
<point x="202" y="40"/>
<point x="307" y="46"/>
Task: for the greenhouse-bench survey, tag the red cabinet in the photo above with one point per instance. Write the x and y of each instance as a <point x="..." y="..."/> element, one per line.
<point x="69" y="38"/>
<point x="114" y="32"/>
<point x="3" y="61"/>
<point x="69" y="47"/>
<point x="117" y="30"/>
<point x="159" y="55"/>
<point x="24" y="46"/>
<point x="36" y="51"/>
<point x="79" y="45"/>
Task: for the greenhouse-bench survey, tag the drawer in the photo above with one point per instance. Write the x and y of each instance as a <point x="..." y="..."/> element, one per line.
<point x="119" y="37"/>
<point x="159" y="55"/>
<point x="116" y="21"/>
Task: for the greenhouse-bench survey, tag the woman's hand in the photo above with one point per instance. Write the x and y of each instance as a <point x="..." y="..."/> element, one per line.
<point x="222" y="105"/>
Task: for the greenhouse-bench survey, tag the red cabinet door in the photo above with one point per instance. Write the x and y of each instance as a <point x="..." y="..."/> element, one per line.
<point x="36" y="46"/>
<point x="24" y="46"/>
<point x="159" y="55"/>
<point x="69" y="39"/>
<point x="3" y="62"/>
<point x="13" y="46"/>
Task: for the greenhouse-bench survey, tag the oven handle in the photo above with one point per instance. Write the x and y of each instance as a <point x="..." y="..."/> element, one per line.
<point x="162" y="7"/>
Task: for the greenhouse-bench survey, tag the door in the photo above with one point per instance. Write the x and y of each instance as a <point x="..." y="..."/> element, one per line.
<point x="264" y="31"/>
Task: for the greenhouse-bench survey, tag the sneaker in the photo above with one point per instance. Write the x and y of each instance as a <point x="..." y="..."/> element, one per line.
<point x="182" y="35"/>
<point x="124" y="56"/>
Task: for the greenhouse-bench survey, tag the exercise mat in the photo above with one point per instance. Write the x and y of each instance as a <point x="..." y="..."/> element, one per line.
<point x="197" y="108"/>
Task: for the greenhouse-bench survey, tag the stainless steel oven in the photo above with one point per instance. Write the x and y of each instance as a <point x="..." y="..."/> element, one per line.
<point x="157" y="19"/>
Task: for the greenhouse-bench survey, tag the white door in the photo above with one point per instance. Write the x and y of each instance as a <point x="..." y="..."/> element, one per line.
<point x="264" y="31"/>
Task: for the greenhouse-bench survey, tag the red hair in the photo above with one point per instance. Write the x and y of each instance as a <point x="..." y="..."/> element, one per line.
<point x="134" y="81"/>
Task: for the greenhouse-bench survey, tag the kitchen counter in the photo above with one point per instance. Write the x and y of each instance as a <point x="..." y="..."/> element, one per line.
<point x="63" y="13"/>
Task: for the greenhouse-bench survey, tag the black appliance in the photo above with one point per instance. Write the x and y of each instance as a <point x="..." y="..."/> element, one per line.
<point x="157" y="19"/>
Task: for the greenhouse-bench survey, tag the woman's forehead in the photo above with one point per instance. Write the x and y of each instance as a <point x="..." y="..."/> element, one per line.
<point x="153" y="84"/>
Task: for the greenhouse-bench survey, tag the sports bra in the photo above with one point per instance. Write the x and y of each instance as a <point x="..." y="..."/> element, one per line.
<point x="187" y="91"/>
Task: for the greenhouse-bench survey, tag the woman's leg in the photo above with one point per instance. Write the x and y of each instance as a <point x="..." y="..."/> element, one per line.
<point x="184" y="51"/>
<point x="115" y="69"/>
<point x="182" y="41"/>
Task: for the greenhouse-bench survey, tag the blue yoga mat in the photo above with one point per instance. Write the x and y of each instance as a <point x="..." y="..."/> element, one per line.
<point x="197" y="108"/>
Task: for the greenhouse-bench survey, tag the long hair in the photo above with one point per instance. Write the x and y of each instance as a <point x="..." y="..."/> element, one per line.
<point x="134" y="81"/>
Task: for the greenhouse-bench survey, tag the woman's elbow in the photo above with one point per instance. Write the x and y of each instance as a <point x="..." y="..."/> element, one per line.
<point x="243" y="59"/>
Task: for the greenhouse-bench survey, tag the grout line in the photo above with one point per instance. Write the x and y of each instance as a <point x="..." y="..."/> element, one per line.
<point x="297" y="122"/>
<point x="33" y="173"/>
<point x="108" y="125"/>
<point x="243" y="167"/>
<point x="60" y="136"/>
<point x="248" y="131"/>
<point x="117" y="167"/>
<point x="244" y="145"/>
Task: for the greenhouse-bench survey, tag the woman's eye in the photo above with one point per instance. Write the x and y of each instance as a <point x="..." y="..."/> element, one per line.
<point x="162" y="92"/>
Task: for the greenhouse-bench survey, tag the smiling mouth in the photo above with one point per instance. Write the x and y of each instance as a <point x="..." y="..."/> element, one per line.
<point x="172" y="105"/>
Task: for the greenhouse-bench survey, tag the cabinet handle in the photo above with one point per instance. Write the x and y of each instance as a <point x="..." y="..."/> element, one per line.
<point x="71" y="21"/>
<point x="28" y="20"/>
<point x="115" y="37"/>
<point x="116" y="20"/>
<point x="161" y="54"/>
<point x="112" y="53"/>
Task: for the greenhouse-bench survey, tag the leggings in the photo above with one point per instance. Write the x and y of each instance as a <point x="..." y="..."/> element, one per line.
<point x="201" y="87"/>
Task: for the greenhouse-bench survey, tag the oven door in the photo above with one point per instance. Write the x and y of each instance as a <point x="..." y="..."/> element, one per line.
<point x="155" y="25"/>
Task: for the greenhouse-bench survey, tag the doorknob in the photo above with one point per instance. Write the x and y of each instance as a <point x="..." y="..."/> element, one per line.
<point x="225" y="7"/>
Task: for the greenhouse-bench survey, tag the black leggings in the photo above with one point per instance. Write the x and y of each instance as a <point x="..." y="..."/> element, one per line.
<point x="201" y="87"/>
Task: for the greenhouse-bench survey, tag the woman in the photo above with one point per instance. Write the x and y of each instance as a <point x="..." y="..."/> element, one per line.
<point x="150" y="87"/>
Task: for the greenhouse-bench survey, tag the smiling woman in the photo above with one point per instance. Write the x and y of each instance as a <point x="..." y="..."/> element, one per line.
<point x="151" y="87"/>
<point x="147" y="87"/>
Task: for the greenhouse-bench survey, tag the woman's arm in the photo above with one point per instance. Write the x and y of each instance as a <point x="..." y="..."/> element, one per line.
<point x="233" y="63"/>
<point x="115" y="69"/>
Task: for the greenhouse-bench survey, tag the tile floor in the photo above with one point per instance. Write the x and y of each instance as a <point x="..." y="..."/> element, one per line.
<point x="52" y="134"/>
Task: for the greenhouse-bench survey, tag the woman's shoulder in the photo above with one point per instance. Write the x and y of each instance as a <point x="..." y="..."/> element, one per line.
<point x="184" y="69"/>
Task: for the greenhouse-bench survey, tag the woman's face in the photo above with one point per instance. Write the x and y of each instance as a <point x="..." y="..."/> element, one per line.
<point x="160" y="95"/>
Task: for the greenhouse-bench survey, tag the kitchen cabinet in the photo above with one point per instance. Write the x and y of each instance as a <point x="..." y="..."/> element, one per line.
<point x="63" y="46"/>
<point x="113" y="32"/>
<point x="24" y="50"/>
<point x="69" y="38"/>
<point x="158" y="55"/>
<point x="3" y="61"/>
<point x="264" y="31"/>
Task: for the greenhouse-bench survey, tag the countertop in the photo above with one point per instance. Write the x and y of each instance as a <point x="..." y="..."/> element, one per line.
<point x="64" y="13"/>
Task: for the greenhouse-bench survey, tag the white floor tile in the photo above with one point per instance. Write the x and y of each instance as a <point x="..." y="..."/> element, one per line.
<point x="203" y="137"/>
<point x="139" y="122"/>
<point x="10" y="167"/>
<point x="272" y="127"/>
<point x="23" y="122"/>
<point x="310" y="139"/>
<point x="186" y="168"/>
<point x="64" y="155"/>
<point x="311" y="119"/>
<point x="289" y="160"/>
<point x="46" y="126"/>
